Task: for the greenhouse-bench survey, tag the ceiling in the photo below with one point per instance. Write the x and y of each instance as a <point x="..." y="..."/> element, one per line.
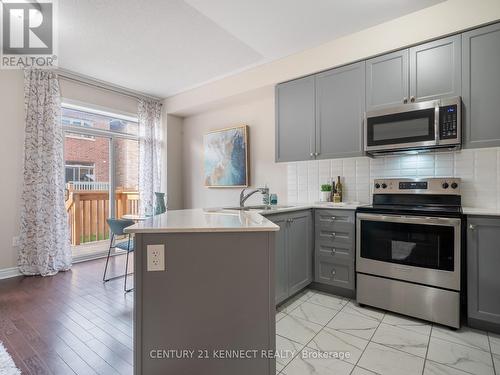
<point x="163" y="47"/>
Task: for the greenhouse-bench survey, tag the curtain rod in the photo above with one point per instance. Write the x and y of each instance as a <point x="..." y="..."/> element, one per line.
<point x="75" y="77"/>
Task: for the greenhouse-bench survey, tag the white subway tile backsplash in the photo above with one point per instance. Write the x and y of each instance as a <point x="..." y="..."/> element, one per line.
<point x="478" y="168"/>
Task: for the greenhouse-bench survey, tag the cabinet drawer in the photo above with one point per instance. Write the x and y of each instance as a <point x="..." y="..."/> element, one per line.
<point x="338" y="273"/>
<point x="336" y="250"/>
<point x="334" y="218"/>
<point x="340" y="237"/>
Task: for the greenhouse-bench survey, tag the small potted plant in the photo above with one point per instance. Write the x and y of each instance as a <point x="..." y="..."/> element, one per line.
<point x="326" y="192"/>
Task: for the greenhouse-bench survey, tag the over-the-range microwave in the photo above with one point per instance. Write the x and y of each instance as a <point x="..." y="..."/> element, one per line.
<point x="414" y="127"/>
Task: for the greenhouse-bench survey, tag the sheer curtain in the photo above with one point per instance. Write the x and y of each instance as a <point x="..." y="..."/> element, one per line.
<point x="44" y="240"/>
<point x="149" y="114"/>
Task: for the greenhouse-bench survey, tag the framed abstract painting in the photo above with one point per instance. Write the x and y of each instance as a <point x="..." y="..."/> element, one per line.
<point x="226" y="157"/>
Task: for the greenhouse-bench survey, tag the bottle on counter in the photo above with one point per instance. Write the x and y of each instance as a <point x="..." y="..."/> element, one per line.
<point x="332" y="193"/>
<point x="338" y="191"/>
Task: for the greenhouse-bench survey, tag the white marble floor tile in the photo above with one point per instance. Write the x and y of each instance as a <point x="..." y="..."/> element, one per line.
<point x="402" y="339"/>
<point x="461" y="357"/>
<point x="308" y="365"/>
<point x="494" y="343"/>
<point x="327" y="300"/>
<point x="290" y="305"/>
<point x="434" y="368"/>
<point x="361" y="371"/>
<point x="297" y="329"/>
<point x="367" y="312"/>
<point x="387" y="361"/>
<point x="280" y="315"/>
<point x="465" y="336"/>
<point x="314" y="313"/>
<point x="286" y="350"/>
<point x="279" y="367"/>
<point x="416" y="325"/>
<point x="348" y="346"/>
<point x="354" y="325"/>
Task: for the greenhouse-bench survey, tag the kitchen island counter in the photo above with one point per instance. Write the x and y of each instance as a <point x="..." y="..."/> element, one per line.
<point x="214" y="293"/>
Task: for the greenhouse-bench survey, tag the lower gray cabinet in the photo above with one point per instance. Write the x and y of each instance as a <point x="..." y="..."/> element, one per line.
<point x="334" y="248"/>
<point x="483" y="272"/>
<point x="294" y="253"/>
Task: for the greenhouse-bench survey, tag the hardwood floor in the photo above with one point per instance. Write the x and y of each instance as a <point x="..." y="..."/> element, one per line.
<point x="70" y="323"/>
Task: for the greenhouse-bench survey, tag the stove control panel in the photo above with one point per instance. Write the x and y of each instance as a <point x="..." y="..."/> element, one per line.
<point x="437" y="185"/>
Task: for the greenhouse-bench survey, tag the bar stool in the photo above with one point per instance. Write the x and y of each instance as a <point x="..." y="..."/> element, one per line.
<point x="117" y="227"/>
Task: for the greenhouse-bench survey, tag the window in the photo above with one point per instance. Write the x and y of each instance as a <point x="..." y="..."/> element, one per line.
<point x="101" y="153"/>
<point x="77" y="172"/>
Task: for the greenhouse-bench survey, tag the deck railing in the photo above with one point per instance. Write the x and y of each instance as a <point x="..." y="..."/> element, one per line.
<point x="88" y="185"/>
<point x="89" y="209"/>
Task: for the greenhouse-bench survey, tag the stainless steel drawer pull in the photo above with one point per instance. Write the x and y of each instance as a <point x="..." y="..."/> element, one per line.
<point x="334" y="251"/>
<point x="472" y="227"/>
<point x="333" y="218"/>
<point x="333" y="272"/>
<point x="333" y="235"/>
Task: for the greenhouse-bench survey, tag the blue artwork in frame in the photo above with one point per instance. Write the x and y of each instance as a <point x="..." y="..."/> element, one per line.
<point x="226" y="157"/>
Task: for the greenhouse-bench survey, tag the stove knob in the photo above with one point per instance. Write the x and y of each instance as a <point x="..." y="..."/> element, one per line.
<point x="384" y="186"/>
<point x="454" y="185"/>
<point x="377" y="186"/>
<point x="445" y="185"/>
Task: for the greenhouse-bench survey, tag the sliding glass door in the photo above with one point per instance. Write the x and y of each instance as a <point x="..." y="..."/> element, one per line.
<point x="101" y="161"/>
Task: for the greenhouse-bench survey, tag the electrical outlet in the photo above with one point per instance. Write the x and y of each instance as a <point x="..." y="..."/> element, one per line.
<point x="156" y="257"/>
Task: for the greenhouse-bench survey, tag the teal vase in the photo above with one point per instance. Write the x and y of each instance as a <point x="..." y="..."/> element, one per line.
<point x="160" y="206"/>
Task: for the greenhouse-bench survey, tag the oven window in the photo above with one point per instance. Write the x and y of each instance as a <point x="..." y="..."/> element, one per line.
<point x="406" y="127"/>
<point x="428" y="246"/>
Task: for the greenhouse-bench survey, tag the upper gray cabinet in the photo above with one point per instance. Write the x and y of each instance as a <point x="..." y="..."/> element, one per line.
<point x="340" y="107"/>
<point x="295" y="120"/>
<point x="387" y="80"/>
<point x="425" y="72"/>
<point x="481" y="86"/>
<point x="435" y="69"/>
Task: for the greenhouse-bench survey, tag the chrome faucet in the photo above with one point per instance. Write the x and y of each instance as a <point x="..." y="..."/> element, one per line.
<point x="244" y="197"/>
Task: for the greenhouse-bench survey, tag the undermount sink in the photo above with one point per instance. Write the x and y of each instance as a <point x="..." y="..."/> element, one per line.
<point x="257" y="208"/>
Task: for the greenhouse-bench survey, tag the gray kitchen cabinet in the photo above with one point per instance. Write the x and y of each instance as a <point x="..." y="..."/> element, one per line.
<point x="280" y="273"/>
<point x="299" y="251"/>
<point x="340" y="107"/>
<point x="481" y="86"/>
<point x="435" y="69"/>
<point x="294" y="253"/>
<point x="387" y="80"/>
<point x="483" y="276"/>
<point x="335" y="248"/>
<point x="295" y="120"/>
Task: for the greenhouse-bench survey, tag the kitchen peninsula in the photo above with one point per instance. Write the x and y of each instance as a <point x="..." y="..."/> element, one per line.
<point x="204" y="289"/>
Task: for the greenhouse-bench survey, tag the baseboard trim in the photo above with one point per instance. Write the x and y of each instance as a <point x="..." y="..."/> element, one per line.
<point x="7" y="273"/>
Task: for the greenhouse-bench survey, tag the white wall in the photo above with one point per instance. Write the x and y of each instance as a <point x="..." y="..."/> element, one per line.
<point x="258" y="114"/>
<point x="11" y="155"/>
<point x="173" y="131"/>
<point x="444" y="18"/>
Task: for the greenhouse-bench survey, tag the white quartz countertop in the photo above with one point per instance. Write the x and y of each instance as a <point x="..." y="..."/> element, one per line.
<point x="199" y="220"/>
<point x="480" y="211"/>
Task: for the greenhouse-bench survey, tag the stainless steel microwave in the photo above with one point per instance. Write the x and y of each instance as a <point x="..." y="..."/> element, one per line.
<point x="414" y="127"/>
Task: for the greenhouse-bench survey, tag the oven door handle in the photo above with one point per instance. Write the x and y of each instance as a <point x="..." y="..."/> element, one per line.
<point x="424" y="220"/>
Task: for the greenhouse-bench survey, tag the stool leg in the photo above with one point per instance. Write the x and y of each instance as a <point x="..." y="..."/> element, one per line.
<point x="107" y="259"/>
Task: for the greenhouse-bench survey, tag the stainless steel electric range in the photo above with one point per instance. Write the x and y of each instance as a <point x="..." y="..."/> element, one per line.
<point x="409" y="246"/>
